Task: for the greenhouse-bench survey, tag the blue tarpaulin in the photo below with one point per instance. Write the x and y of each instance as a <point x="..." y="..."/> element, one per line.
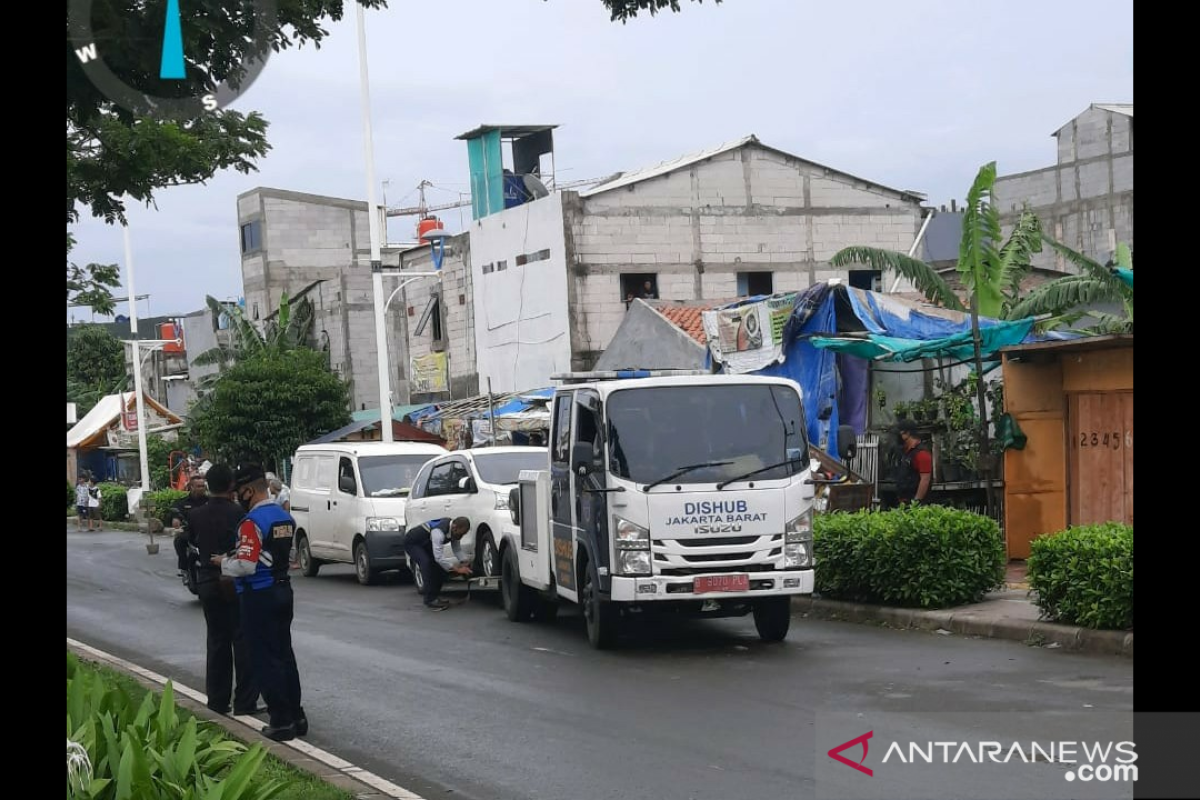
<point x="871" y="325"/>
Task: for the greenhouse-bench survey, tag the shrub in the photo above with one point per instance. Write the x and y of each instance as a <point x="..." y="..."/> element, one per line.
<point x="1084" y="575"/>
<point x="114" y="506"/>
<point x="917" y="556"/>
<point x="148" y="750"/>
<point x="70" y="495"/>
<point x="163" y="500"/>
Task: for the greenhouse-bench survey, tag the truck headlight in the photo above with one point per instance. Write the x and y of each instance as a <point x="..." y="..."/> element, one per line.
<point x="501" y="501"/>
<point x="383" y="524"/>
<point x="633" y="562"/>
<point x="798" y="542"/>
<point x="630" y="536"/>
<point x="799" y="529"/>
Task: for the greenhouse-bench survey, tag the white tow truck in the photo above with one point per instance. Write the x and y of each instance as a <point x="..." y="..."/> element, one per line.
<point x="665" y="491"/>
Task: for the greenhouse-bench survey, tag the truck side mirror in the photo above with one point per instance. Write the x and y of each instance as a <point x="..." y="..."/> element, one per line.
<point x="582" y="458"/>
<point x="847" y="442"/>
<point x="514" y="504"/>
<point x="346" y="484"/>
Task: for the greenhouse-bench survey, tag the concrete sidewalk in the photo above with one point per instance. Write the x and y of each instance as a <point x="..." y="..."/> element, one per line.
<point x="1006" y="614"/>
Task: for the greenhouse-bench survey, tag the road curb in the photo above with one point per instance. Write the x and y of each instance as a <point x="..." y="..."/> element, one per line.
<point x="297" y="753"/>
<point x="966" y="623"/>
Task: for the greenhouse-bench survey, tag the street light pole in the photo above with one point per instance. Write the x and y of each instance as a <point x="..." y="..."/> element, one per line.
<point x="137" y="364"/>
<point x="385" y="388"/>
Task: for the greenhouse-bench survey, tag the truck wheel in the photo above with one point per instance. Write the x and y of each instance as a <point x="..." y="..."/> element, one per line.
<point x="772" y="618"/>
<point x="362" y="564"/>
<point x="309" y="566"/>
<point x="519" y="599"/>
<point x="601" y="616"/>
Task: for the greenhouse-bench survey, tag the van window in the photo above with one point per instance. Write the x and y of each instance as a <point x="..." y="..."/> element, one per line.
<point x="418" y="487"/>
<point x="305" y="472"/>
<point x="325" y="466"/>
<point x="441" y="480"/>
<point x="346" y="470"/>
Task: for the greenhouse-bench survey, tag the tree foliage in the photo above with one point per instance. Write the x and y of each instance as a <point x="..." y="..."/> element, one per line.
<point x="95" y="366"/>
<point x="624" y="10"/>
<point x="268" y="404"/>
<point x="1095" y="284"/>
<point x="289" y="329"/>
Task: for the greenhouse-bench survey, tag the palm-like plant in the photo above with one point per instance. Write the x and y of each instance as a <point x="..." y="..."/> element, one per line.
<point x="289" y="330"/>
<point x="1095" y="283"/>
<point x="991" y="274"/>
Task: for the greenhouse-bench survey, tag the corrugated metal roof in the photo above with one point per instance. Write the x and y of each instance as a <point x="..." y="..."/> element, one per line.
<point x="506" y="131"/>
<point x="666" y="167"/>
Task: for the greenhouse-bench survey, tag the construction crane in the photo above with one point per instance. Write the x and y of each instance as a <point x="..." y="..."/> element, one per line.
<point x="423" y="210"/>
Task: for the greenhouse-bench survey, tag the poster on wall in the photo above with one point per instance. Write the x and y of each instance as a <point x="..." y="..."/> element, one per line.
<point x="749" y="337"/>
<point x="428" y="373"/>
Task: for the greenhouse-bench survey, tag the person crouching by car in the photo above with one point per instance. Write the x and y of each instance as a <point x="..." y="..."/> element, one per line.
<point x="426" y="546"/>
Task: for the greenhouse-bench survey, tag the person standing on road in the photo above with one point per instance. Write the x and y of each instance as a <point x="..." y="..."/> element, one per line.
<point x="916" y="465"/>
<point x="281" y="495"/>
<point x="197" y="496"/>
<point x="426" y="546"/>
<point x="82" y="511"/>
<point x="94" y="504"/>
<point x="260" y="568"/>
<point x="214" y="530"/>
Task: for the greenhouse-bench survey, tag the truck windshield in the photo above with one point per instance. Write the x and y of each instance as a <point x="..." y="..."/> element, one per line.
<point x="732" y="429"/>
<point x="502" y="468"/>
<point x="390" y="476"/>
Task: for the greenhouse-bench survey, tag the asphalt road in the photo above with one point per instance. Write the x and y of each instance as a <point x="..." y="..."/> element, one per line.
<point x="465" y="704"/>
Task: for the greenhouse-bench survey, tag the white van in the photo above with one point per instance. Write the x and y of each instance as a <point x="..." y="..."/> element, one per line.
<point x="348" y="502"/>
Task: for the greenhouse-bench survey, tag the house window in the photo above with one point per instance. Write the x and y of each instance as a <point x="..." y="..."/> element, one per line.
<point x="751" y="284"/>
<point x="869" y="279"/>
<point x="639" y="285"/>
<point x="435" y="319"/>
<point x="252" y="236"/>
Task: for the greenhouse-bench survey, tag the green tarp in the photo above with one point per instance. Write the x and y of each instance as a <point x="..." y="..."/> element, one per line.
<point x="960" y="347"/>
<point x="1126" y="276"/>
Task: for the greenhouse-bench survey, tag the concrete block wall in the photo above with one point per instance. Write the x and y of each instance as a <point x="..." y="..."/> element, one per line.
<point x="1084" y="201"/>
<point x="748" y="210"/>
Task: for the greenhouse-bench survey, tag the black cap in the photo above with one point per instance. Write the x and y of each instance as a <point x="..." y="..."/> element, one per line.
<point x="907" y="426"/>
<point x="248" y="474"/>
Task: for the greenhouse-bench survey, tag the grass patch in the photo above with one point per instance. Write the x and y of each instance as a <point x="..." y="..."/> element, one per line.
<point x="298" y="785"/>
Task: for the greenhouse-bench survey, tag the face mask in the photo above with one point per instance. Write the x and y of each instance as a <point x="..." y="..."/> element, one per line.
<point x="245" y="501"/>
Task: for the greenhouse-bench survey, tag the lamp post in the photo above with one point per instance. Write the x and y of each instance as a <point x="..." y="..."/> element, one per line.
<point x="137" y="364"/>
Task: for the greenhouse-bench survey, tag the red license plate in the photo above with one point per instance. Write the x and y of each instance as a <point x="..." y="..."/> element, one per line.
<point x="721" y="583"/>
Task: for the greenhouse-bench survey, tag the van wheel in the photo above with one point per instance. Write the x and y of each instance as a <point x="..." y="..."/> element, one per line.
<point x="772" y="618"/>
<point x="519" y="599"/>
<point x="601" y="616"/>
<point x="309" y="566"/>
<point x="362" y="565"/>
<point x="418" y="577"/>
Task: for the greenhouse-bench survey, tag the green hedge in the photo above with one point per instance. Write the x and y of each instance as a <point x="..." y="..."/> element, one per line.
<point x="1084" y="575"/>
<point x="149" y="750"/>
<point x="114" y="506"/>
<point x="917" y="556"/>
<point x="163" y="500"/>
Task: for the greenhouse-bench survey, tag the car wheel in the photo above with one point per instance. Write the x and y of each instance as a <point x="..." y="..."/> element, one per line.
<point x="309" y="566"/>
<point x="362" y="564"/>
<point x="489" y="558"/>
<point x="418" y="577"/>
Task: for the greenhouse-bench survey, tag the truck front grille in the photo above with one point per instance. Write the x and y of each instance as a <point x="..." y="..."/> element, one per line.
<point x="698" y="556"/>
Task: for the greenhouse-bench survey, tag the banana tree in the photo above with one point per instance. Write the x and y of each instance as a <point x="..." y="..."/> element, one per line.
<point x="290" y="329"/>
<point x="1095" y="283"/>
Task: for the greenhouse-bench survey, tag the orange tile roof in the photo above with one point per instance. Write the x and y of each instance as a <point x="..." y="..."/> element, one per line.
<point x="688" y="317"/>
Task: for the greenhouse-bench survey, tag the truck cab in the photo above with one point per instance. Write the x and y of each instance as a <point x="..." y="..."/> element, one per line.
<point x="687" y="494"/>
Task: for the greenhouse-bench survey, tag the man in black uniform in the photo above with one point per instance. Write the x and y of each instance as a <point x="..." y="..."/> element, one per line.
<point x="214" y="531"/>
<point x="426" y="546"/>
<point x="197" y="496"/>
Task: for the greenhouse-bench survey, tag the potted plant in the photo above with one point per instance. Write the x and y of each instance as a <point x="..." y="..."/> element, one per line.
<point x="148" y="509"/>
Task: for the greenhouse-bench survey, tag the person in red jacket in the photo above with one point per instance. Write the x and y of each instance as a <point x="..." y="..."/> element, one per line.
<point x="916" y="465"/>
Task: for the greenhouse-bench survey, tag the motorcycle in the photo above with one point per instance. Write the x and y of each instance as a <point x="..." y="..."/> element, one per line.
<point x="191" y="575"/>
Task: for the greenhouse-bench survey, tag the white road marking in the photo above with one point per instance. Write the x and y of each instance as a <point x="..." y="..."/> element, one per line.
<point x="329" y="759"/>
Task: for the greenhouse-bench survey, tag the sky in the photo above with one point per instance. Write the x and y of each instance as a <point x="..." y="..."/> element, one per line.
<point x="911" y="95"/>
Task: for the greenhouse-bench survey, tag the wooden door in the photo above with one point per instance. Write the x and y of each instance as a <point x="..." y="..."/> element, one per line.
<point x="1100" y="447"/>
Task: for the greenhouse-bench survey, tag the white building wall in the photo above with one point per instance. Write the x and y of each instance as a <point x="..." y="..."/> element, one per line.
<point x="521" y="313"/>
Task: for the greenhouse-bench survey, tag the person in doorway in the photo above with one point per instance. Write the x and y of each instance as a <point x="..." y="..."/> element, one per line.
<point x="82" y="511"/>
<point x="214" y="530"/>
<point x="94" y="505"/>
<point x="648" y="292"/>
<point x="915" y="474"/>
<point x="260" y="570"/>
<point x="426" y="546"/>
<point x="180" y="521"/>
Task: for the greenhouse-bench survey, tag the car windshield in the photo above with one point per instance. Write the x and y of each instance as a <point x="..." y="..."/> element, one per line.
<point x="501" y="468"/>
<point x="390" y="476"/>
<point x="721" y="432"/>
